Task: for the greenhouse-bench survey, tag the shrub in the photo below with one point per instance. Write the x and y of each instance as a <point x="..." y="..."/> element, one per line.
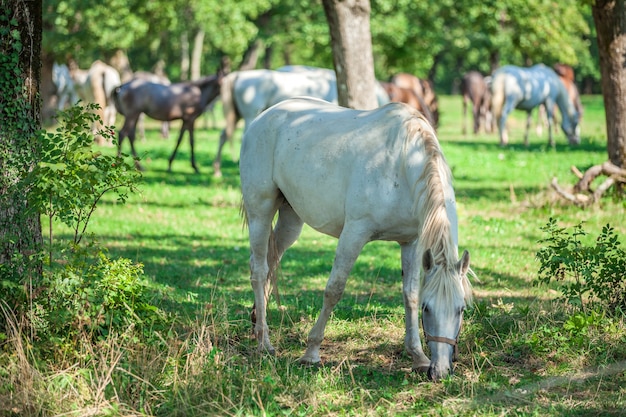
<point x="588" y="276"/>
<point x="94" y="296"/>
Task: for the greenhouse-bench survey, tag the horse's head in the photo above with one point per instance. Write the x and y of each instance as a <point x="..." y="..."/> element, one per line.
<point x="571" y="127"/>
<point x="445" y="291"/>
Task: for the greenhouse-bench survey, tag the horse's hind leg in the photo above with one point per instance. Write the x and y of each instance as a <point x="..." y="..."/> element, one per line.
<point x="288" y="228"/>
<point x="528" y="120"/>
<point x="260" y="213"/>
<point x="217" y="163"/>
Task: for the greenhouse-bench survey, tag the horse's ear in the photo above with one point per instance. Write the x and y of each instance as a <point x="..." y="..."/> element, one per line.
<point x="427" y="260"/>
<point x="464" y="263"/>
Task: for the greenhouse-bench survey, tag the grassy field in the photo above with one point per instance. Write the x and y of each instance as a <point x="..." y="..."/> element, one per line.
<point x="516" y="357"/>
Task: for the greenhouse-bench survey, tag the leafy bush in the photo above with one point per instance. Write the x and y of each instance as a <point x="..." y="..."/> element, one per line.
<point x="94" y="296"/>
<point x="588" y="276"/>
<point x="71" y="177"/>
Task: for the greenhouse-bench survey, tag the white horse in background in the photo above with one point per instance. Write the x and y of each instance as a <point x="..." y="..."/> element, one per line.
<point x="65" y="89"/>
<point x="358" y="176"/>
<point x="96" y="85"/>
<point x="245" y="94"/>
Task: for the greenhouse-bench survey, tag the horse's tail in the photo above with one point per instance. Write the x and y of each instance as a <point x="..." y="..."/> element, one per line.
<point x="497" y="95"/>
<point x="229" y="106"/>
<point x="117" y="101"/>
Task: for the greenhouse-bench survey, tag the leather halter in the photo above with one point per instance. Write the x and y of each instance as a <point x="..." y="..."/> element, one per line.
<point x="453" y="342"/>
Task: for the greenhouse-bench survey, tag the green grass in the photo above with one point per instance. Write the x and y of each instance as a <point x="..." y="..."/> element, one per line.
<point x="515" y="358"/>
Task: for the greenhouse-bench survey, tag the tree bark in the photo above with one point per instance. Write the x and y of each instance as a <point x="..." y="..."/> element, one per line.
<point x="351" y="42"/>
<point x="20" y="120"/>
<point x="184" y="56"/>
<point x="610" y="20"/>
<point x="196" y="55"/>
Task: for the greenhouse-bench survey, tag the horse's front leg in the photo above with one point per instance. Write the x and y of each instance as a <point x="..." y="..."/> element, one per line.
<point x="348" y="248"/>
<point x="191" y="144"/>
<point x="410" y="292"/>
<point x="180" y="138"/>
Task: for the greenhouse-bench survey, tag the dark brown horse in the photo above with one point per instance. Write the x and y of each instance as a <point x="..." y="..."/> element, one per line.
<point x="422" y="88"/>
<point x="408" y="96"/>
<point x="475" y="89"/>
<point x="186" y="101"/>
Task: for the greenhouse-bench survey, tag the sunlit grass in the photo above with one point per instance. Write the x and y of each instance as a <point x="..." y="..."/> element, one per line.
<point x="186" y="230"/>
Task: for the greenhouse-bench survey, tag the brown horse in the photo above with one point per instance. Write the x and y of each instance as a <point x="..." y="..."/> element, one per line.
<point x="422" y="88"/>
<point x="185" y="100"/>
<point x="475" y="89"/>
<point x="408" y="96"/>
<point x="158" y="79"/>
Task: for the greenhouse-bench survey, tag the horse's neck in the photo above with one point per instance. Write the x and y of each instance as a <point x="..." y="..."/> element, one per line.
<point x="565" y="103"/>
<point x="210" y="89"/>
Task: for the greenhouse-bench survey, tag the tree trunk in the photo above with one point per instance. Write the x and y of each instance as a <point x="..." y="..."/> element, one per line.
<point x="20" y="119"/>
<point x="351" y="41"/>
<point x="610" y="20"/>
<point x="196" y="55"/>
<point x="184" y="56"/>
<point x="251" y="56"/>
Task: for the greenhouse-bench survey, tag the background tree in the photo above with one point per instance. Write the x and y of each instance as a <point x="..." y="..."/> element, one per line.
<point x="351" y="42"/>
<point x="20" y="63"/>
<point x="610" y="20"/>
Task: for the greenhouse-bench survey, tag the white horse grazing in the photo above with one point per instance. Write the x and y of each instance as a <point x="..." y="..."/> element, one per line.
<point x="96" y="85"/>
<point x="245" y="94"/>
<point x="526" y="88"/>
<point x="358" y="176"/>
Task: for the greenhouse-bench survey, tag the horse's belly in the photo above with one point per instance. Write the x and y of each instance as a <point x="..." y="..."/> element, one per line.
<point x="324" y="212"/>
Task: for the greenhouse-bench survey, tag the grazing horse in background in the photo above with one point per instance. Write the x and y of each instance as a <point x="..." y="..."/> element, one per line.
<point x="381" y="95"/>
<point x="423" y="88"/>
<point x="96" y="85"/>
<point x="158" y="79"/>
<point x="185" y="100"/>
<point x="245" y="94"/>
<point x="65" y="89"/>
<point x="566" y="74"/>
<point x="526" y="88"/>
<point x="475" y="89"/>
<point x="408" y="96"/>
<point x="358" y="176"/>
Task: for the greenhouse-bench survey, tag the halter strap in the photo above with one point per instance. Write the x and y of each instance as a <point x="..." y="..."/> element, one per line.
<point x="452" y="342"/>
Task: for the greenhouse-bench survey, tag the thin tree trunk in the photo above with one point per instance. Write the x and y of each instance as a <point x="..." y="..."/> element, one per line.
<point x="351" y="41"/>
<point x="196" y="55"/>
<point x="184" y="56"/>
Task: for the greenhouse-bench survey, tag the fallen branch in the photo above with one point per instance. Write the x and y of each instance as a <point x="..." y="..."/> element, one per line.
<point x="582" y="195"/>
<point x="592" y="173"/>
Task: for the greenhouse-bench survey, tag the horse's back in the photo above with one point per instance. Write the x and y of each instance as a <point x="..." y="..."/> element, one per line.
<point x="527" y="88"/>
<point x="327" y="160"/>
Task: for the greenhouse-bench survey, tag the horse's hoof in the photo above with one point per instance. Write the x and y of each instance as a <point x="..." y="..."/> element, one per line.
<point x="422" y="369"/>
<point x="309" y="364"/>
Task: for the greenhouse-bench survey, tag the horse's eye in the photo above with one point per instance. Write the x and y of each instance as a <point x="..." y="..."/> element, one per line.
<point x="425" y="308"/>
